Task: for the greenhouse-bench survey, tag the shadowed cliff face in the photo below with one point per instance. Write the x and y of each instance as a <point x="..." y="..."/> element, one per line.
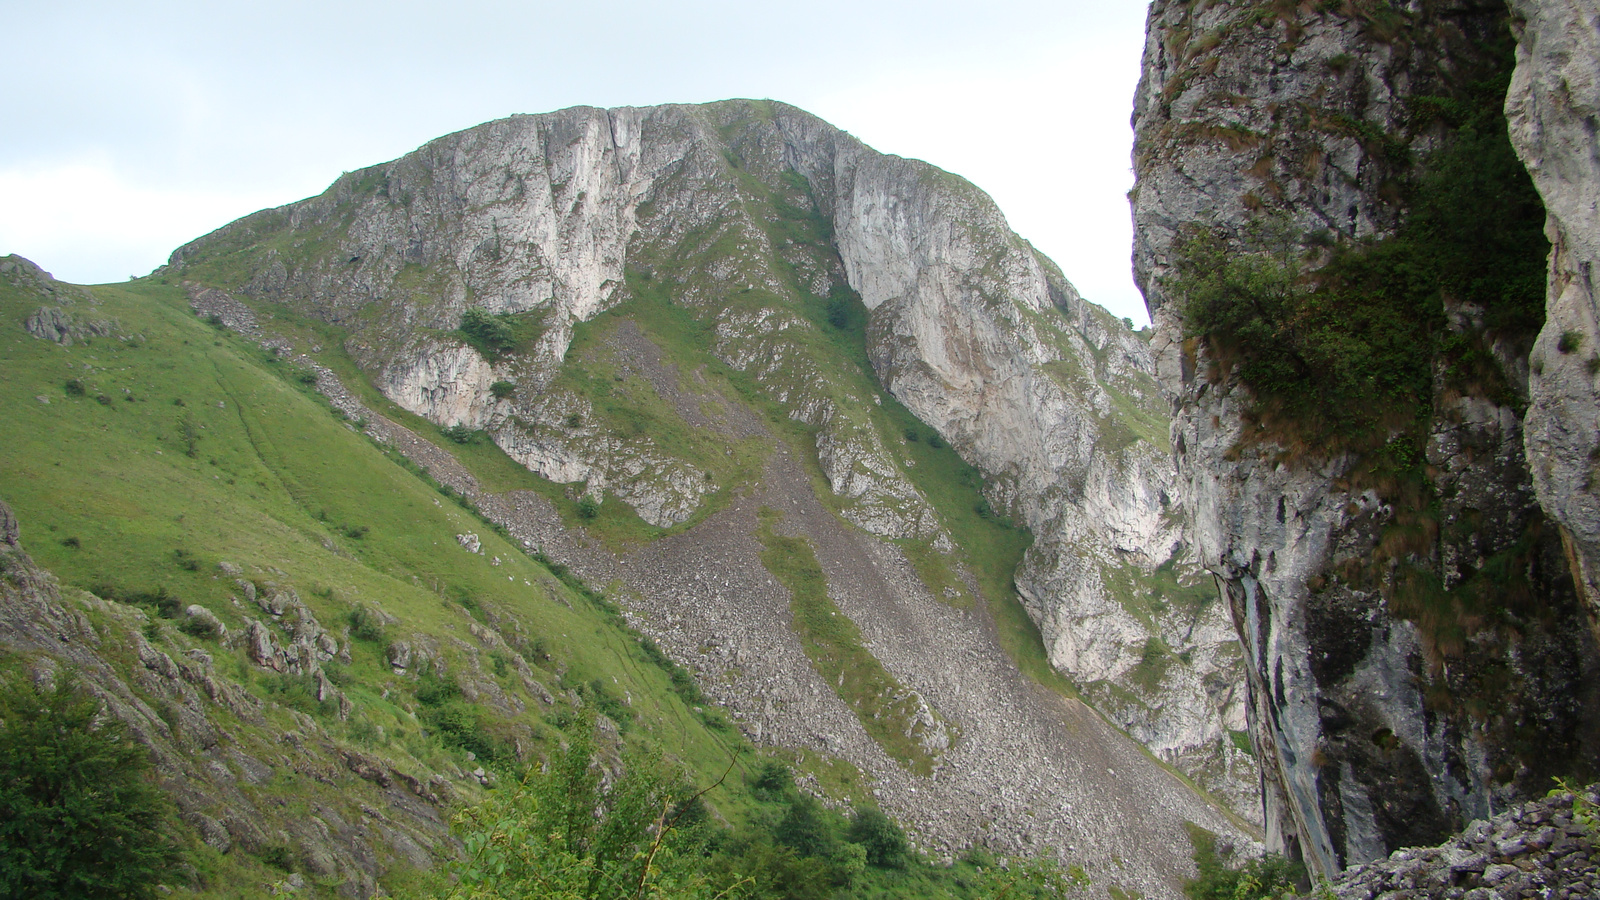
<point x="1417" y="654"/>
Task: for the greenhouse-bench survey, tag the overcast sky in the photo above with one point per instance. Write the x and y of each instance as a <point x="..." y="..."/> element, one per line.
<point x="130" y="128"/>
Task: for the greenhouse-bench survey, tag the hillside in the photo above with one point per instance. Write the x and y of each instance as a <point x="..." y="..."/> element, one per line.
<point x="308" y="470"/>
<point x="772" y="262"/>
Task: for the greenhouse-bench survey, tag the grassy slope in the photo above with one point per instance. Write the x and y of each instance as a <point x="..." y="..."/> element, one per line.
<point x="108" y="494"/>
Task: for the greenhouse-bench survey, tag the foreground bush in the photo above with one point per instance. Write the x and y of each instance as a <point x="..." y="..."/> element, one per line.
<point x="78" y="816"/>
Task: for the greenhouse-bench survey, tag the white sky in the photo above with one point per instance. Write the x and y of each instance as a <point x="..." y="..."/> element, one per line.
<point x="130" y="128"/>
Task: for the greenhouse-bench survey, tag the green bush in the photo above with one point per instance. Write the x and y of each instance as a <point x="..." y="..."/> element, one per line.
<point x="165" y="605"/>
<point x="461" y="434"/>
<point x="489" y="334"/>
<point x="435" y="691"/>
<point x="79" y="817"/>
<point x="459" y="725"/>
<point x="838" y="312"/>
<point x="502" y="389"/>
<point x="772" y="781"/>
<point x="366" y="625"/>
<point x="559" y="834"/>
<point x="197" y="627"/>
<point x="883" y="840"/>
<point x="1266" y="878"/>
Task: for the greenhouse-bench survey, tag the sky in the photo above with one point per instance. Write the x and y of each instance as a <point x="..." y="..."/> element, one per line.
<point x="131" y="128"/>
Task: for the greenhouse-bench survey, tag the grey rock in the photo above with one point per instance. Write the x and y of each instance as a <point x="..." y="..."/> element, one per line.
<point x="1552" y="105"/>
<point x="1227" y="123"/>
<point x="200" y="613"/>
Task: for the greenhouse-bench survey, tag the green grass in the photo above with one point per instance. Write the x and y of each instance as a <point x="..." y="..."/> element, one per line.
<point x="109" y="496"/>
<point x="886" y="709"/>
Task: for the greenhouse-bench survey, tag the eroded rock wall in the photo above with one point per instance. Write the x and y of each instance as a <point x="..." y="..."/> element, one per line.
<point x="1373" y="731"/>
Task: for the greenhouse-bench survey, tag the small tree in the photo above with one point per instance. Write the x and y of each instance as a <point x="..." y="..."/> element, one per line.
<point x="883" y="840"/>
<point x="490" y="334"/>
<point x="562" y="835"/>
<point x="78" y="816"/>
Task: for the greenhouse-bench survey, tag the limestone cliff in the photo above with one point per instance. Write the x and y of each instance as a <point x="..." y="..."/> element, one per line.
<point x="765" y="227"/>
<point x="1554" y="98"/>
<point x="1417" y="655"/>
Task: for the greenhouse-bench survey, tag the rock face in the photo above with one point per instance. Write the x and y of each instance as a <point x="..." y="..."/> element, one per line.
<point x="1554" y="98"/>
<point x="766" y="226"/>
<point x="1375" y="728"/>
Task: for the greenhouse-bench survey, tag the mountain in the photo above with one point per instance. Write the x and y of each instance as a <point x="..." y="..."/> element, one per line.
<point x="1380" y="420"/>
<point x="717" y="380"/>
<point x="832" y="284"/>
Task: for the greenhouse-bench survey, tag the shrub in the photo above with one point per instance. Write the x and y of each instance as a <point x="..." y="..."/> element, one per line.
<point x="883" y="840"/>
<point x="435" y="691"/>
<point x="78" y="815"/>
<point x="460" y="434"/>
<point x="772" y="781"/>
<point x="1347" y="353"/>
<point x="838" y="312"/>
<point x="560" y="833"/>
<point x="1265" y="878"/>
<point x="588" y="508"/>
<point x="166" y="605"/>
<point x="489" y="334"/>
<point x="366" y="625"/>
<point x="458" y="725"/>
<point x="75" y="388"/>
<point x="502" y="389"/>
<point x="199" y="627"/>
<point x="804" y="829"/>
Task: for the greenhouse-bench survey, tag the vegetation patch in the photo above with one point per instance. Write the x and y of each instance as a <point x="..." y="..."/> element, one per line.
<point x="1342" y="354"/>
<point x="1222" y="875"/>
<point x="887" y="709"/>
<point x="79" y="816"/>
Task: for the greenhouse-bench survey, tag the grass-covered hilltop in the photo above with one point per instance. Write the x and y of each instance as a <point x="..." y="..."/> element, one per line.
<point x="639" y="503"/>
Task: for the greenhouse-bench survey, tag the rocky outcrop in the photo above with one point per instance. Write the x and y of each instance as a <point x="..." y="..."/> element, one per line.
<point x="207" y="734"/>
<point x="1380" y="721"/>
<point x="59" y="320"/>
<point x="1554" y="98"/>
<point x="1545" y="848"/>
<point x="758" y="219"/>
